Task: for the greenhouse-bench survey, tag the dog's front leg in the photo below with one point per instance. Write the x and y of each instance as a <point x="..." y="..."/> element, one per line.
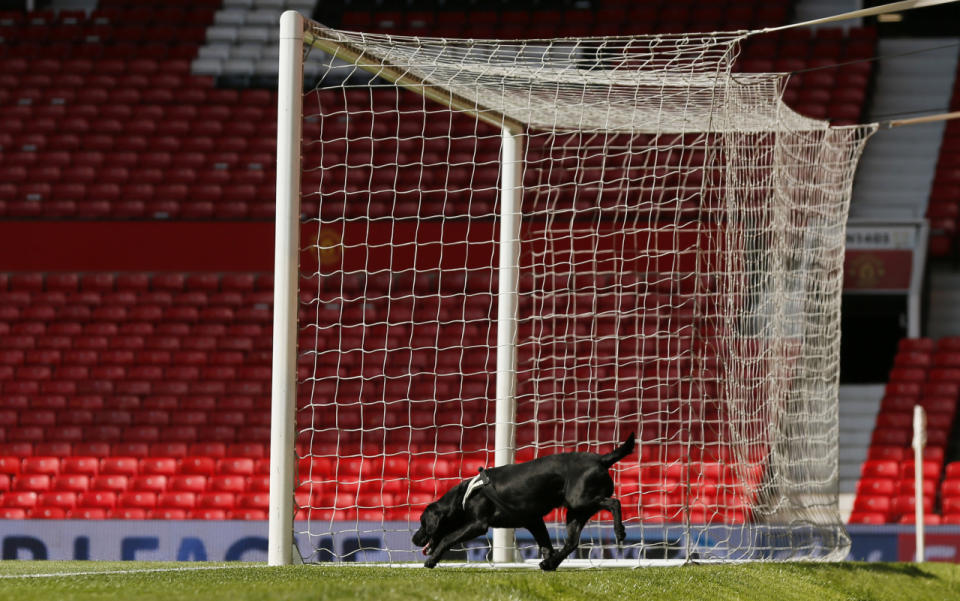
<point x="576" y="520"/>
<point x="467" y="532"/>
<point x="539" y="531"/>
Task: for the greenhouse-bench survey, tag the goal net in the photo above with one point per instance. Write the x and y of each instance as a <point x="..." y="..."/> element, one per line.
<point x="513" y="249"/>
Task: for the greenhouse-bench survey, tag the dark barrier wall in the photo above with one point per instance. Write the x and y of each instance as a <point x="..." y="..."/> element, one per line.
<point x="136" y="246"/>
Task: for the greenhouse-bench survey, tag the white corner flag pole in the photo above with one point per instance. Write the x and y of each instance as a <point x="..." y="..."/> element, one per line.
<point x="919" y="442"/>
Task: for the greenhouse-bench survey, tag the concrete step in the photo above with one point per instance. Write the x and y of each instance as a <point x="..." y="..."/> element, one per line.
<point x="850" y="471"/>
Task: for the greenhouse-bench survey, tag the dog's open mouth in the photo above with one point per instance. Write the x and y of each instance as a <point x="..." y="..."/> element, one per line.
<point x="427" y="548"/>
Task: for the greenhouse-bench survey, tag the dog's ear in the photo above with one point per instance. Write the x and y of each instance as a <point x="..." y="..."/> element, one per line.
<point x="430" y="519"/>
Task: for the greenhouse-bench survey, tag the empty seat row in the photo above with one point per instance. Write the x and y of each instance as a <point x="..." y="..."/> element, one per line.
<point x="111" y="100"/>
<point x="120" y="483"/>
<point x="107" y="13"/>
<point x="17" y="71"/>
<point x="52" y="466"/>
<point x="138" y="449"/>
<point x="107" y="282"/>
<point x="145" y="504"/>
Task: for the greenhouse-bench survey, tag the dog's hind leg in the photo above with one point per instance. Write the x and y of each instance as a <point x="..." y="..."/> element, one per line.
<point x="576" y="520"/>
<point x="613" y="506"/>
<point x="539" y="531"/>
<point x="472" y="530"/>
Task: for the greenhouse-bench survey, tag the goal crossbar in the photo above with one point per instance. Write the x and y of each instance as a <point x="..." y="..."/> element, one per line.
<point x="339" y="47"/>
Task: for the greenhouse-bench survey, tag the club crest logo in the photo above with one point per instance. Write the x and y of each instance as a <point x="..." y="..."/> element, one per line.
<point x="865" y="271"/>
<point x="329" y="247"/>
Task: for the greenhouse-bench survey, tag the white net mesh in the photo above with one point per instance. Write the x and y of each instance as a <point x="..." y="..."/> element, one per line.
<point x="681" y="244"/>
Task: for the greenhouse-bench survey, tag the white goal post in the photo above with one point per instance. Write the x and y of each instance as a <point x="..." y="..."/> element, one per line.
<point x="517" y="248"/>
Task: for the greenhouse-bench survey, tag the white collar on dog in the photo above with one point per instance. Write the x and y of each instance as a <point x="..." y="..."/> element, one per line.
<point x="475" y="483"/>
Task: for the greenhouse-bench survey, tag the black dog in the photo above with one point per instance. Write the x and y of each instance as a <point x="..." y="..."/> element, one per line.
<point x="518" y="496"/>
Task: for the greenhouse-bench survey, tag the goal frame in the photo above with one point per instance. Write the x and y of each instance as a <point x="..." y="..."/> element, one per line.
<point x="295" y="35"/>
<point x="517" y="130"/>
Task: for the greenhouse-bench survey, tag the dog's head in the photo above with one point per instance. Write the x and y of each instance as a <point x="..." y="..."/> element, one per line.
<point x="429" y="533"/>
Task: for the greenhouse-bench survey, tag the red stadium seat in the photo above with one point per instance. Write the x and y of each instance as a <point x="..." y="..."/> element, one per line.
<point x="868" y="517"/>
<point x="129" y="513"/>
<point x="891" y="437"/>
<point x="124" y="466"/>
<point x="243" y="466"/>
<point x="895" y="403"/>
<point x="217" y="500"/>
<point x="895" y="420"/>
<point x="209" y="513"/>
<point x="887" y="453"/>
<point x="132" y="448"/>
<point x="72" y="482"/>
<point x="23" y="499"/>
<point x="169" y="449"/>
<point x="209" y="449"/>
<point x="166" y="466"/>
<point x="877" y="486"/>
<point x="196" y="483"/>
<point x="198" y="465"/>
<point x="178" y="499"/>
<point x="65" y="500"/>
<point x="111" y="482"/>
<point x="908" y="374"/>
<point x="879" y="468"/>
<point x="228" y="483"/>
<point x="137" y="499"/>
<point x="905" y="504"/>
<point x="150" y="482"/>
<point x="37" y="482"/>
<point x="259" y="483"/>
<point x="89" y="513"/>
<point x="950" y="488"/>
<point x="100" y="499"/>
<point x="252" y="450"/>
<point x="92" y="449"/>
<point x="169" y="513"/>
<point x="11" y="465"/>
<point x="253" y="500"/>
<point x="906" y="486"/>
<point x="931" y="469"/>
<point x="873" y="504"/>
<point x="45" y="512"/>
<point x="951" y="505"/>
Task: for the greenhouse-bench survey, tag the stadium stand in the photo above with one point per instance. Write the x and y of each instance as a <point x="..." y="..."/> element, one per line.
<point x="145" y="395"/>
<point x="124" y="129"/>
<point x="924" y="373"/>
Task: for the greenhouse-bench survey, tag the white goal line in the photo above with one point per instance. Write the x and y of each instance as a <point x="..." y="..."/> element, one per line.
<point x="132" y="571"/>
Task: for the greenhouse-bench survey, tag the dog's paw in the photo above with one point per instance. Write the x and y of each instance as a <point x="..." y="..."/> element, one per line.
<point x="548" y="565"/>
<point x="431" y="562"/>
<point x="621" y="535"/>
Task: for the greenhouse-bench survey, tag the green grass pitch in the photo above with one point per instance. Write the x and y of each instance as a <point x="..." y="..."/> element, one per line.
<point x="133" y="581"/>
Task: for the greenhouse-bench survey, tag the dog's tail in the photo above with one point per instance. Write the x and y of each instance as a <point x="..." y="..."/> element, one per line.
<point x="619" y="453"/>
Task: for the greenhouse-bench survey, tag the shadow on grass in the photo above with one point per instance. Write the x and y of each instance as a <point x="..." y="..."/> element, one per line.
<point x="893" y="569"/>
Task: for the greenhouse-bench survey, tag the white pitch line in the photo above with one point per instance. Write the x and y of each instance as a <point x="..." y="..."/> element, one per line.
<point x="135" y="571"/>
